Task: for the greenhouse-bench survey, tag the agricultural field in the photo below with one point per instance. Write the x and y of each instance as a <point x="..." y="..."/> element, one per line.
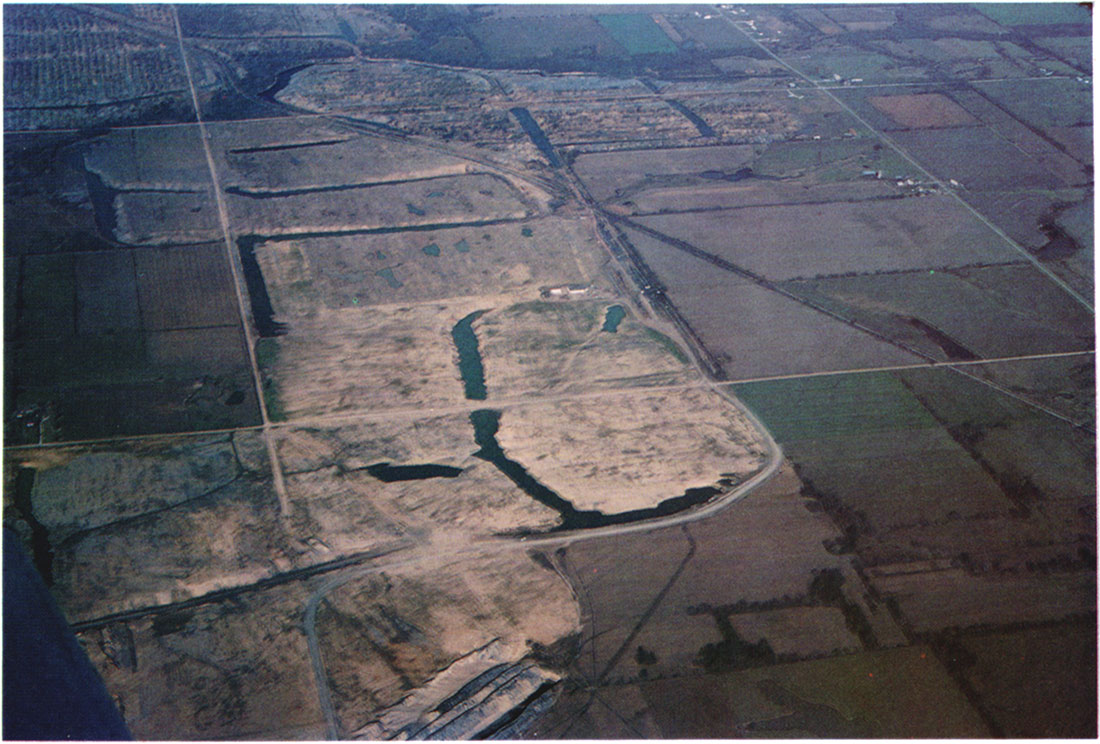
<point x="789" y="241"/>
<point x="433" y="201"/>
<point x="991" y="163"/>
<point x="923" y="310"/>
<point x="86" y="67"/>
<point x="1051" y="702"/>
<point x="622" y="174"/>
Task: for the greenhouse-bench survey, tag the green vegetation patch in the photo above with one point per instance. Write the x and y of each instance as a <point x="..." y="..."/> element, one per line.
<point x="431" y="250"/>
<point x="833" y="405"/>
<point x="49" y="294"/>
<point x="830" y="160"/>
<point x="637" y="33"/>
<point x="1035" y="14"/>
<point x="869" y="66"/>
<point x="668" y="345"/>
<point x="84" y="360"/>
<point x="1055" y="102"/>
<point x="462" y="246"/>
<point x="388" y="275"/>
<point x="267" y="355"/>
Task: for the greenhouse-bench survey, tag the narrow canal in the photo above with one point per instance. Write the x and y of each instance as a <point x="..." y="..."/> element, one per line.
<point x="486" y="423"/>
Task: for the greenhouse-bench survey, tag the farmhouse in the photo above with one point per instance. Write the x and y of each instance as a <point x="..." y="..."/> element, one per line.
<point x="565" y="291"/>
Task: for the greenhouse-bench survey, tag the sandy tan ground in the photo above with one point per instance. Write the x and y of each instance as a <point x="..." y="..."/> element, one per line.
<point x="440" y="614"/>
<point x="631" y="451"/>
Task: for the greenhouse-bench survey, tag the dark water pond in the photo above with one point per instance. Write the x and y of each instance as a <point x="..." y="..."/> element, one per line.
<point x="263" y="314"/>
<point x="469" y="357"/>
<point x="534" y="131"/>
<point x="387" y="473"/>
<point x="614" y="316"/>
<point x="486" y="424"/>
<point x="281" y="81"/>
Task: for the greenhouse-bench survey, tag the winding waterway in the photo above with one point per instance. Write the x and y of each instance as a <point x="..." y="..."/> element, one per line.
<point x="486" y="423"/>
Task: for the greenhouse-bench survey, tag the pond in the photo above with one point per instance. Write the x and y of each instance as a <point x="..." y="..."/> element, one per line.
<point x="469" y="356"/>
<point x="615" y="315"/>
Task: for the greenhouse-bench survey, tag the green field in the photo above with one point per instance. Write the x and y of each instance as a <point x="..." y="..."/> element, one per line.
<point x="1044" y="103"/>
<point x="833" y="405"/>
<point x="830" y="161"/>
<point x="637" y="33"/>
<point x="1035" y="14"/>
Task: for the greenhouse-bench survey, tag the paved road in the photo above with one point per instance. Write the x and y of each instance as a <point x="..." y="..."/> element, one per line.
<point x="245" y="317"/>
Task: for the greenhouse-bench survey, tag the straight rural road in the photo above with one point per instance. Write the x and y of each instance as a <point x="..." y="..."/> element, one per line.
<point x="235" y="271"/>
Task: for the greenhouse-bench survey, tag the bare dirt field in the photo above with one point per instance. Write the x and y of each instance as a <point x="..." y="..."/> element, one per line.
<point x="923" y="110"/>
<point x="384" y="635"/>
<point x="351" y="271"/>
<point x="436" y="201"/>
<point x="346" y="507"/>
<point x="627" y="460"/>
<point x="233" y="669"/>
<point x="552" y="346"/>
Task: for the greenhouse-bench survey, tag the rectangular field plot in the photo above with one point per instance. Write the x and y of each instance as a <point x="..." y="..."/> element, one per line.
<point x="844" y="697"/>
<point x="637" y="33"/>
<point x="185" y="287"/>
<point x="990" y="162"/>
<point x="448" y="199"/>
<point x="712" y="195"/>
<point x="1036" y="683"/>
<point x="133" y="383"/>
<point x="934" y="600"/>
<point x="1038" y="458"/>
<point x="509" y="40"/>
<point x="833" y="405"/>
<point x="927" y="110"/>
<point x="428" y="265"/>
<point x="740" y="324"/>
<point x="959" y="314"/>
<point x="713" y="34"/>
<point x="784" y="242"/>
<point x="1021" y="213"/>
<point x="302" y="153"/>
<point x="620" y="174"/>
